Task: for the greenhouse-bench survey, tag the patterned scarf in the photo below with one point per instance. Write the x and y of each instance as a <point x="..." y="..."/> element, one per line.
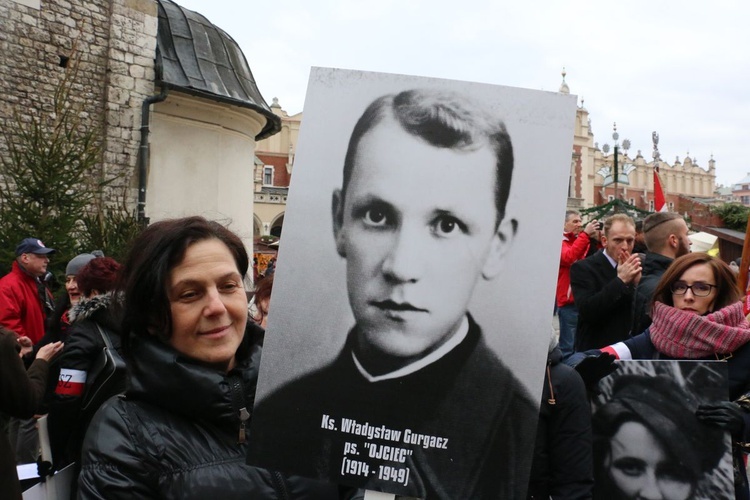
<point x="685" y="335"/>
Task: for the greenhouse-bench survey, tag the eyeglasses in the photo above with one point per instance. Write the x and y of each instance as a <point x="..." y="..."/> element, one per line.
<point x="698" y="288"/>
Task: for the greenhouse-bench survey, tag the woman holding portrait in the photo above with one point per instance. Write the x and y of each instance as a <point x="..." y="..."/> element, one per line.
<point x="697" y="315"/>
<point x="180" y="431"/>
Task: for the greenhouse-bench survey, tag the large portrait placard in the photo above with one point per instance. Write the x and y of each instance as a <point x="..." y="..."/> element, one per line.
<point x="411" y="310"/>
<point x="647" y="438"/>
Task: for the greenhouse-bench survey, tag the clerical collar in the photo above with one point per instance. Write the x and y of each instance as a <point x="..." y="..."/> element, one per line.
<point x="461" y="332"/>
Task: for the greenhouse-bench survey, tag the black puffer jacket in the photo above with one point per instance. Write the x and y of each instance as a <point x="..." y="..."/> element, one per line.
<point x="177" y="431"/>
<point x="83" y="347"/>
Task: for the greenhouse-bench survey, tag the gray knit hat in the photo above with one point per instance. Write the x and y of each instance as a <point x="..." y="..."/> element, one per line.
<point x="80" y="260"/>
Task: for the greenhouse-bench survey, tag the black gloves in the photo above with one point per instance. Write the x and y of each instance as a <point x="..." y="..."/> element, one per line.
<point x="595" y="366"/>
<point x="726" y="415"/>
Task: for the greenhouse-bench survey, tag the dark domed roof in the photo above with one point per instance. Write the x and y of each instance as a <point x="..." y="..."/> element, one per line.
<point x="199" y="58"/>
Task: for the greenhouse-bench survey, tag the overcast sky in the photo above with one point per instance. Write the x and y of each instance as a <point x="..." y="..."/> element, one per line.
<point x="679" y="68"/>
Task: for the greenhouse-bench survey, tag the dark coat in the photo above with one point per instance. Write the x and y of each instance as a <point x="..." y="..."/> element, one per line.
<point x="563" y="462"/>
<point x="654" y="265"/>
<point x="479" y="415"/>
<point x="604" y="303"/>
<point x="21" y="393"/>
<point x="176" y="433"/>
<point x="67" y="425"/>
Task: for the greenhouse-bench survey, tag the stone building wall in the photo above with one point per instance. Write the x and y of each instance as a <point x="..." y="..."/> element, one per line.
<point x="115" y="41"/>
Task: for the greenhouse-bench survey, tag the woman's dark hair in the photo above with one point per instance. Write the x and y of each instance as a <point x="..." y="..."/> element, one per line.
<point x="145" y="273"/>
<point x="263" y="293"/>
<point x="727" y="292"/>
<point x="668" y="412"/>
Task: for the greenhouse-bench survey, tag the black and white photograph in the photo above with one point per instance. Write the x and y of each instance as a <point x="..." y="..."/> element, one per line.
<point x="409" y="320"/>
<point x="648" y="441"/>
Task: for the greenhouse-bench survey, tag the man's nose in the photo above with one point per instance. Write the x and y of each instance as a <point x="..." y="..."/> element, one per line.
<point x="405" y="258"/>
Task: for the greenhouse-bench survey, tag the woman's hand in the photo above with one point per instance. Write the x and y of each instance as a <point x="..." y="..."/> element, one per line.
<point x="726" y="415"/>
<point x="49" y="351"/>
<point x="26" y="345"/>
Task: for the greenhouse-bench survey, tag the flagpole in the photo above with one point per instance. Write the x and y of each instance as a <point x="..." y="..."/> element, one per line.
<point x="745" y="262"/>
<point x="660" y="201"/>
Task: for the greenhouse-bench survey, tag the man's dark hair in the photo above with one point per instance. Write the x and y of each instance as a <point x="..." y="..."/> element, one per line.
<point x="153" y="255"/>
<point x="446" y="120"/>
<point x="657" y="228"/>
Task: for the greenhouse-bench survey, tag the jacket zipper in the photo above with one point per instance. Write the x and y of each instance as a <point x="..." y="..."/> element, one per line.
<point x="238" y="400"/>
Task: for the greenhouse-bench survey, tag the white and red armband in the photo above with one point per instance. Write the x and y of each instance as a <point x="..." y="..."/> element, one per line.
<point x="618" y="350"/>
<point x="71" y="382"/>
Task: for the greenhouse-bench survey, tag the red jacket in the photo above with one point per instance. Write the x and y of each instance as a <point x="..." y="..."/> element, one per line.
<point x="573" y="249"/>
<point x="20" y="308"/>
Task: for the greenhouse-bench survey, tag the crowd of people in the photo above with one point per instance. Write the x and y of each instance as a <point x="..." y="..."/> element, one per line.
<point x="664" y="304"/>
<point x="176" y="312"/>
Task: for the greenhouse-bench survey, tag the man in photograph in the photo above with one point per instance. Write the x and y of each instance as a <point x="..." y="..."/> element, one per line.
<point x="416" y="403"/>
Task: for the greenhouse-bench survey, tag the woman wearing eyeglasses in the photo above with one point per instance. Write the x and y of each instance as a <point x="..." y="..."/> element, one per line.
<point x="697" y="314"/>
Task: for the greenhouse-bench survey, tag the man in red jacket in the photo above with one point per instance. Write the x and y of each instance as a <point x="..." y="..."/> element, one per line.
<point x="24" y="300"/>
<point x="24" y="304"/>
<point x="575" y="245"/>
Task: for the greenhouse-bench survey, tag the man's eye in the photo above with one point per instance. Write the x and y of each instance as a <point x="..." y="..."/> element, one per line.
<point x="229" y="287"/>
<point x="447" y="226"/>
<point x="375" y="217"/>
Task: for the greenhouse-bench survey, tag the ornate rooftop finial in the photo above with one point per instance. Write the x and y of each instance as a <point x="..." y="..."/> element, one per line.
<point x="564" y="89"/>
<point x="655" y="140"/>
<point x="275" y="103"/>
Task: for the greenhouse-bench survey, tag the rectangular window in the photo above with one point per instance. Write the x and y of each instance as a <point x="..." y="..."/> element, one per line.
<point x="610" y="197"/>
<point x="632" y="201"/>
<point x="671" y="206"/>
<point x="268" y="176"/>
<point x="651" y="205"/>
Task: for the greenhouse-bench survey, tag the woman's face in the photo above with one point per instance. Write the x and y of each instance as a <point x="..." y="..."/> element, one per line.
<point x="263" y="312"/>
<point x="208" y="304"/>
<point x="699" y="273"/>
<point x="640" y="468"/>
<point x="72" y="288"/>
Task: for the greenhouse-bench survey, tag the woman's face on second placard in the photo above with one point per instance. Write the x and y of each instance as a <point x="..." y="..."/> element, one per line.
<point x="640" y="467"/>
<point x="208" y="304"/>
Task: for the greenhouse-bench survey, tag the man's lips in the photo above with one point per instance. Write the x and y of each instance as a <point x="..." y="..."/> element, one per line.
<point x="393" y="306"/>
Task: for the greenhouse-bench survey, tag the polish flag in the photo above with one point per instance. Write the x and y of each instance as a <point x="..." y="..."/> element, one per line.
<point x="660" y="204"/>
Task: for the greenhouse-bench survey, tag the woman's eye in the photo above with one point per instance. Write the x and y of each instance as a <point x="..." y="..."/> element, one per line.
<point x="189" y="295"/>
<point x="630" y="467"/>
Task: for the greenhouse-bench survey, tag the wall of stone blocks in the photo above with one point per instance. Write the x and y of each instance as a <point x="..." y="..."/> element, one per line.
<point x="115" y="41"/>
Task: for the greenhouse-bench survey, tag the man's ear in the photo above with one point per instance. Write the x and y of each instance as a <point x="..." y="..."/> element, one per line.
<point x="501" y="242"/>
<point x="673" y="241"/>
<point x="337" y="215"/>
